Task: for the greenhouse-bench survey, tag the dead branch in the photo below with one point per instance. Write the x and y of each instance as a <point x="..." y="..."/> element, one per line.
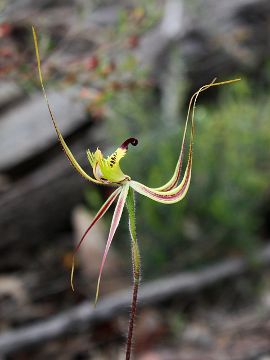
<point x="84" y="315"/>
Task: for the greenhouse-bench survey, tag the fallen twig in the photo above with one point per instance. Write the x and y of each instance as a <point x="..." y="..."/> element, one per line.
<point x="153" y="292"/>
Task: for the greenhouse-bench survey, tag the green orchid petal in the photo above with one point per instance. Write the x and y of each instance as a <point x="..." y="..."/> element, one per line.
<point x="98" y="216"/>
<point x="114" y="225"/>
<point x="66" y="149"/>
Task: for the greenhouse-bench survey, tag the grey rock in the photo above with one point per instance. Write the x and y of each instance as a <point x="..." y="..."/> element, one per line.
<point x="27" y="130"/>
<point x="10" y="92"/>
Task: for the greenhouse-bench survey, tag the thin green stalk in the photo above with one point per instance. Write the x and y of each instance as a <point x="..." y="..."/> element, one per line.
<point x="136" y="261"/>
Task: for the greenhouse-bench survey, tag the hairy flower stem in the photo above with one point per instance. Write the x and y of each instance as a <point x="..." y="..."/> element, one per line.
<point x="136" y="261"/>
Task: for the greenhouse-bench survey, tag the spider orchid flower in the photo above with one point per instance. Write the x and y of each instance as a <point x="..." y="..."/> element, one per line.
<point x="107" y="171"/>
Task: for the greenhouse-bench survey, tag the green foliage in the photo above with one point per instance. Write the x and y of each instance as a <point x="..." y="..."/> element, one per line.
<point x="221" y="215"/>
<point x="141" y="18"/>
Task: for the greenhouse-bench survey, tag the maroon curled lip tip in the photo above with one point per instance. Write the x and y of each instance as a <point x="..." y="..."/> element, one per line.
<point x="132" y="141"/>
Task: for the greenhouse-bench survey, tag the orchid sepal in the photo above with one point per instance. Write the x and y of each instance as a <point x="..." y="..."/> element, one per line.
<point x="65" y="147"/>
<point x="190" y="114"/>
<point x="114" y="225"/>
<point x="97" y="217"/>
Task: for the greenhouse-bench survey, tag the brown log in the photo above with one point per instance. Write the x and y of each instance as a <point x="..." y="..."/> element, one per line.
<point x="84" y="315"/>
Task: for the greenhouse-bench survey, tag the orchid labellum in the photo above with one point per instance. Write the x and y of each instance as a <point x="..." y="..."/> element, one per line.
<point x="107" y="171"/>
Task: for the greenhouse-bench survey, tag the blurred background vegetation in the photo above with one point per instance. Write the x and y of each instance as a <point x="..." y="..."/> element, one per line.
<point x="116" y="69"/>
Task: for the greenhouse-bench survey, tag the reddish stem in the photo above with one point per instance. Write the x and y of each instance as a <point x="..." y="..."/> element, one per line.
<point x="136" y="267"/>
<point x="132" y="314"/>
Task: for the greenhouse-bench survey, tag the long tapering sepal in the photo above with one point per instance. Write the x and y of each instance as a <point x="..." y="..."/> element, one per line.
<point x="190" y="117"/>
<point x="115" y="222"/>
<point x="98" y="216"/>
<point x="66" y="149"/>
